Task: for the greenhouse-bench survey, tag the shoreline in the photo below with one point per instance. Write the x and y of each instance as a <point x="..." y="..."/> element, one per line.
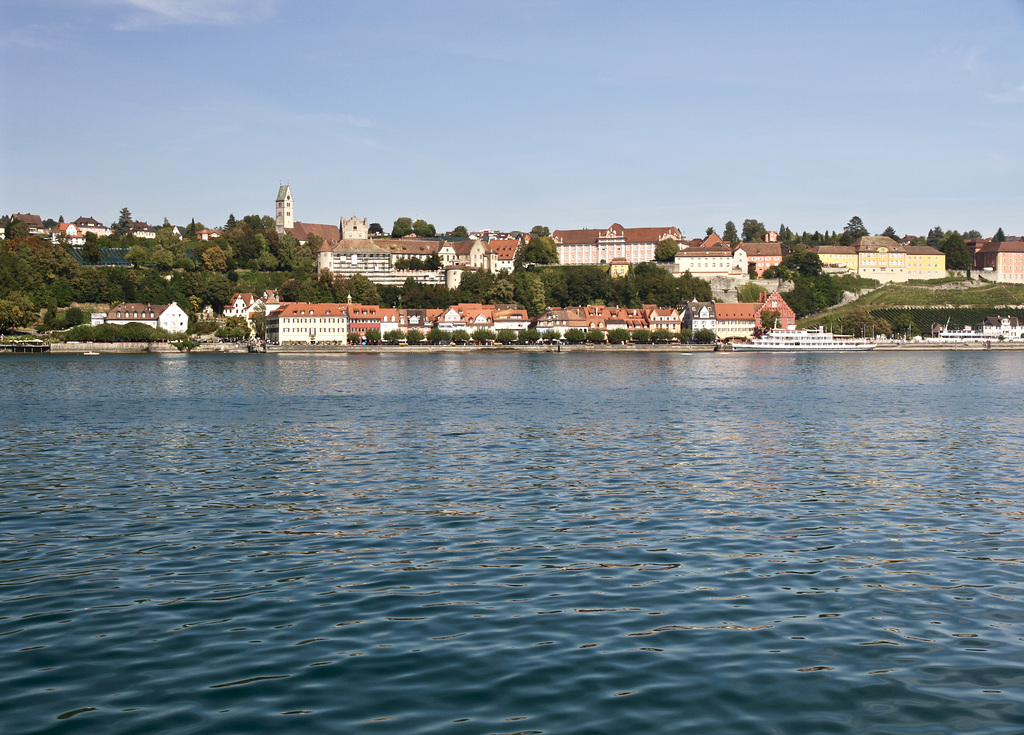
<point x="113" y="348"/>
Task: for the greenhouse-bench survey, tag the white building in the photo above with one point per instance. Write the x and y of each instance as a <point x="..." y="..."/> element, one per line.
<point x="301" y="323"/>
<point x="169" y="317"/>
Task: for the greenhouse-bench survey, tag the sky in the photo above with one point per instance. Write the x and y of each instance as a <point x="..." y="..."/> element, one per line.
<point x="505" y="114"/>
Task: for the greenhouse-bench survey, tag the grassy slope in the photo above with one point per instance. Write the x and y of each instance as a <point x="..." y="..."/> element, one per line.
<point x="936" y="301"/>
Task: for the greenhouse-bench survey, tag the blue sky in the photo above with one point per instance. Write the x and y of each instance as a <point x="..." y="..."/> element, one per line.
<point x="508" y="114"/>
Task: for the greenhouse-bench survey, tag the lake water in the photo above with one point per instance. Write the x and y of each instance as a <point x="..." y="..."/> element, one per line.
<point x="492" y="543"/>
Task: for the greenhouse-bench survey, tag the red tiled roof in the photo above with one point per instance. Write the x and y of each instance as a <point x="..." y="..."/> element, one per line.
<point x="303" y="230"/>
<point x="1010" y="246"/>
<point x="736" y="312"/>
<point x="300" y="308"/>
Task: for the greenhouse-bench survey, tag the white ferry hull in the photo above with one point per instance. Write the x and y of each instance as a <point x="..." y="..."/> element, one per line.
<point x="803" y="340"/>
<point x="749" y="347"/>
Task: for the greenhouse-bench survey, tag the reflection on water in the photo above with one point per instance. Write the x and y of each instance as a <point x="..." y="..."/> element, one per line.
<point x="552" y="543"/>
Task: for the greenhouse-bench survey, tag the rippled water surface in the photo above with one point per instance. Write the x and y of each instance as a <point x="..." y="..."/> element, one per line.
<point x="548" y="543"/>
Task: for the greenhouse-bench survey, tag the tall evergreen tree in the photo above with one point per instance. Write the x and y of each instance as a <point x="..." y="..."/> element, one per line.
<point x="999" y="236"/>
<point x="730" y="234"/>
<point x="856" y="227"/>
<point x="123" y="226"/>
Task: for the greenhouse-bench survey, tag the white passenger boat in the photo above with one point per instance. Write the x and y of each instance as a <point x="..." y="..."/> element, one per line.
<point x="803" y="340"/>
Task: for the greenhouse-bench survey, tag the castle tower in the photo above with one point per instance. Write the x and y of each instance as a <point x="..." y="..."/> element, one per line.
<point x="354" y="229"/>
<point x="285" y="214"/>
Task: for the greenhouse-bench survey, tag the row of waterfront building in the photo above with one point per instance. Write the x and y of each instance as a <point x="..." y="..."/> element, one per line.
<point x="304" y="323"/>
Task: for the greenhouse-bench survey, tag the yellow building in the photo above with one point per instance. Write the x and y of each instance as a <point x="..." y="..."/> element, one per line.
<point x="925" y="262"/>
<point x="837" y="256"/>
<point x="884" y="259"/>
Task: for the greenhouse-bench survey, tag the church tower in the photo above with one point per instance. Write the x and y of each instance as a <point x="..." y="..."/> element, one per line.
<point x="285" y="215"/>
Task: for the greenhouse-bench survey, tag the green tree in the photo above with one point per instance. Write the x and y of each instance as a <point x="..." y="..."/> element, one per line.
<point x="234" y="329"/>
<point x="666" y="250"/>
<point x="596" y="336"/>
<point x="414" y="336"/>
<point x="372" y="335"/>
<point x="935" y="236"/>
<point x="749" y="293"/>
<point x="13" y="314"/>
<point x="422" y="228"/>
<point x="375" y="229"/>
<point x="541" y="250"/>
<point x="501" y="291"/>
<point x="16" y="229"/>
<point x="704" y="336"/>
<point x="138" y="255"/>
<point x="460" y="231"/>
<point x="855" y="227"/>
<point x="642" y="335"/>
<point x="460" y="336"/>
<point x="529" y="335"/>
<point x="729" y="234"/>
<point x="540" y="231"/>
<point x="618" y="335"/>
<point x="803" y="261"/>
<point x="162" y="258"/>
<point x="259" y="320"/>
<point x="214" y="259"/>
<point x="484" y="335"/>
<point x="575" y="336"/>
<point x="91" y="252"/>
<point x="958" y="257"/>
<point x="529" y="292"/>
<point x="402" y="227"/>
<point x="903" y="325"/>
<point x="753" y="231"/>
<point x="394" y="335"/>
<point x="506" y="336"/>
<point x="999" y="236"/>
<point x="891" y="233"/>
<point x="123" y="227"/>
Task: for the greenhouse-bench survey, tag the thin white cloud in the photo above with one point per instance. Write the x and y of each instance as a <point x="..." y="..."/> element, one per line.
<point x="145" y="14"/>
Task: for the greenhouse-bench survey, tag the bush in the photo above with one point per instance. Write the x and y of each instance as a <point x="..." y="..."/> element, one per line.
<point x="133" y="332"/>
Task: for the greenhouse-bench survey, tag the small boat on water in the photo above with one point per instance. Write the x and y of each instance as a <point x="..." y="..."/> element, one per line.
<point x="90" y="353"/>
<point x="803" y="340"/>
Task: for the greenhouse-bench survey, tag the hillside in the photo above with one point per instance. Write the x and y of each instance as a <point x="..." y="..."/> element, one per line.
<point x="916" y="306"/>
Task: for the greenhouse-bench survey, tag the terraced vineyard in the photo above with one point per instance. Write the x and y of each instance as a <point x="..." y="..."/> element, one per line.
<point x="957" y="318"/>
